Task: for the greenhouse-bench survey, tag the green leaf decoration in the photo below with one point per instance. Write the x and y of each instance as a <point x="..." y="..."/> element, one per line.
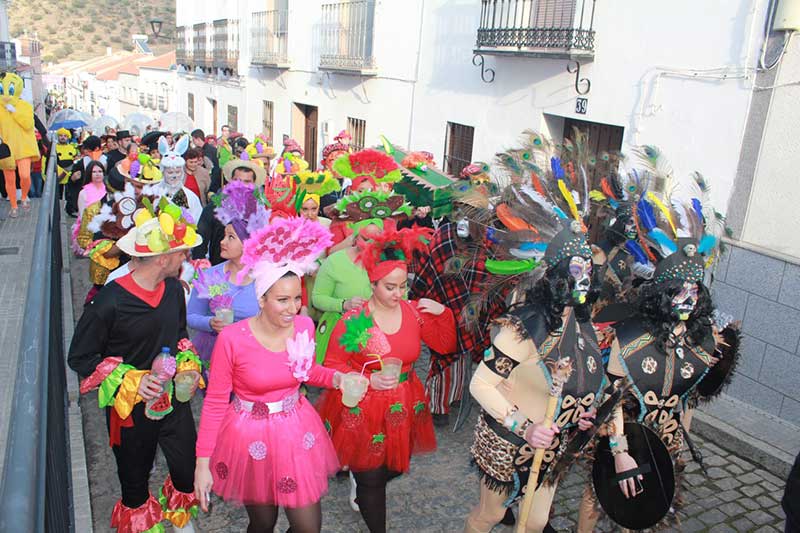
<point x="396" y="407"/>
<point x="149" y="206"/>
<point x="355" y="411"/>
<point x="418" y="407"/>
<point x="380" y="437"/>
<point x="356" y="332"/>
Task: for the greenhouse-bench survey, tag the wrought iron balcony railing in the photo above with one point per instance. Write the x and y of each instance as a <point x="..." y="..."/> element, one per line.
<point x="183" y="46"/>
<point x="540" y="28"/>
<point x="347" y="34"/>
<point x="8" y="56"/>
<point x="226" y="44"/>
<point x="270" y="37"/>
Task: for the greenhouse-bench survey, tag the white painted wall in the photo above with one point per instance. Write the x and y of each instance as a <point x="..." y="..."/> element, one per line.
<point x="642" y="79"/>
<point x="772" y="219"/>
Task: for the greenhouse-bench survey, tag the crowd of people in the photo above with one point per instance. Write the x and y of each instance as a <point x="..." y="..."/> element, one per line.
<point x="565" y="291"/>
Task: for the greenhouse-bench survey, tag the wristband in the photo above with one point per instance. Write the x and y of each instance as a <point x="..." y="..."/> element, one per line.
<point x="510" y="422"/>
<point x="524" y="428"/>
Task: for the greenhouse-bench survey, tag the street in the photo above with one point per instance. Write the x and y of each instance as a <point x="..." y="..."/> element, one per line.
<point x="441" y="488"/>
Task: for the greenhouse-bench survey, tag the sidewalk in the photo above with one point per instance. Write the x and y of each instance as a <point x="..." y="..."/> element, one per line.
<point x="16" y="250"/>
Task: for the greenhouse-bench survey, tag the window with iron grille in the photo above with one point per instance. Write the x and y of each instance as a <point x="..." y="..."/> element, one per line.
<point x="357" y="128"/>
<point x="190" y="106"/>
<point x="346" y="36"/>
<point x="267" y="119"/>
<point x="457" y="147"/>
<point x="233" y="117"/>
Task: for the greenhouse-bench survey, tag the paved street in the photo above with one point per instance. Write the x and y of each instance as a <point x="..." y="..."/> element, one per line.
<point x="437" y="495"/>
<point x="16" y="250"/>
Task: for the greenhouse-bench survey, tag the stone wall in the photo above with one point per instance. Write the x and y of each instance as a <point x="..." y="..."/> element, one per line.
<point x="764" y="293"/>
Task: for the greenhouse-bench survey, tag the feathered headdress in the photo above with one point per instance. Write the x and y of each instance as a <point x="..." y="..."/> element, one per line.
<point x="368" y="165"/>
<point x="393" y="248"/>
<point x="242" y="205"/>
<point x="685" y="232"/>
<point x="285" y="245"/>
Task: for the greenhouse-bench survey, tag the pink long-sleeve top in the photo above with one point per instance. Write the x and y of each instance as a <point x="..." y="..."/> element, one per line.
<point x="240" y="364"/>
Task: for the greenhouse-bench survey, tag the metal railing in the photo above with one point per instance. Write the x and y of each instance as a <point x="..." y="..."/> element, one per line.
<point x="226" y="44"/>
<point x="183" y="45"/>
<point x="36" y="491"/>
<point x="200" y="44"/>
<point x="8" y="56"/>
<point x="537" y="26"/>
<point x="270" y="37"/>
<point x="347" y="36"/>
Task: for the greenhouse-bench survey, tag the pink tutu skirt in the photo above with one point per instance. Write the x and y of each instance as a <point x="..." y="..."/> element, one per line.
<point x="282" y="459"/>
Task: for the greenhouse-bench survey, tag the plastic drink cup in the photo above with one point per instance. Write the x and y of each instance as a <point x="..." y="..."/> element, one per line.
<point x="354" y="385"/>
<point x="184" y="386"/>
<point x="225" y="315"/>
<point x="392" y="367"/>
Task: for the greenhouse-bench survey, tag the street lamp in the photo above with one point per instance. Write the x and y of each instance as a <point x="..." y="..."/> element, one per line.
<point x="155" y="25"/>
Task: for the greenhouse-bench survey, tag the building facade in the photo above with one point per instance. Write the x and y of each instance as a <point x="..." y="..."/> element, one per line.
<point x="462" y="79"/>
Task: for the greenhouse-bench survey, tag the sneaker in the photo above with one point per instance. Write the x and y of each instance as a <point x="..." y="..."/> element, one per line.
<point x="353" y="499"/>
<point x="26" y="205"/>
<point x="14" y="213"/>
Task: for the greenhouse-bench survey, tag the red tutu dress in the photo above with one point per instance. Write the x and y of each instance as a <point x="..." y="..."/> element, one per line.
<point x="386" y="427"/>
<point x="267" y="445"/>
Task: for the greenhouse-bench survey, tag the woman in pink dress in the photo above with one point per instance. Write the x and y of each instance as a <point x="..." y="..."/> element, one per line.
<point x="267" y="448"/>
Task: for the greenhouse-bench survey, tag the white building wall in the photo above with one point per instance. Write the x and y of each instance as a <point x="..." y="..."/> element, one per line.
<point x="675" y="75"/>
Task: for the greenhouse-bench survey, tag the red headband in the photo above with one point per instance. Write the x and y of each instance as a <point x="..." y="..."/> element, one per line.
<point x="382" y="269"/>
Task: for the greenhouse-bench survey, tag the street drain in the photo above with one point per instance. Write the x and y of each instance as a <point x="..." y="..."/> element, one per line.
<point x="9" y="250"/>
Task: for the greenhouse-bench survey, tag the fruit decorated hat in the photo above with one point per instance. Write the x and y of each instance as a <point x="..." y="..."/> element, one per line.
<point x="312" y="185"/>
<point x="158" y="230"/>
<point x="368" y="165"/>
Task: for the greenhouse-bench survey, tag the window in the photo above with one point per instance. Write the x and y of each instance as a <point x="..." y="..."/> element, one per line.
<point x="233" y="118"/>
<point x="267" y="120"/>
<point x="457" y="147"/>
<point x="346" y="36"/>
<point x="357" y="129"/>
<point x="190" y="106"/>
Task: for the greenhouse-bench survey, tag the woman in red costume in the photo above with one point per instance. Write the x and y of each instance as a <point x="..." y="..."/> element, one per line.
<point x="377" y="437"/>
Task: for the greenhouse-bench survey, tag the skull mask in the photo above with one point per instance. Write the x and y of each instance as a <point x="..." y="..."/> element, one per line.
<point x="685" y="301"/>
<point x="580" y="268"/>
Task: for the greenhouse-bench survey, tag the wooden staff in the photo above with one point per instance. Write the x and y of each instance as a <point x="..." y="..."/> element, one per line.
<point x="560" y="375"/>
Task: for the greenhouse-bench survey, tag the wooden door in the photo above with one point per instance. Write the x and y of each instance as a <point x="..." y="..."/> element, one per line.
<point x="312" y="117"/>
<point x="214" y="122"/>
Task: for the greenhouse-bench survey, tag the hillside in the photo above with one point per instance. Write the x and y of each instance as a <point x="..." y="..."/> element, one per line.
<point x="80" y="29"/>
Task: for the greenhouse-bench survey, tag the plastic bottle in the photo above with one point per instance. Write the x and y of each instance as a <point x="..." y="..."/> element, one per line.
<point x="163" y="369"/>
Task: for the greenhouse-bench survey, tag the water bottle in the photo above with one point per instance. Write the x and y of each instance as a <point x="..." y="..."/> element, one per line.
<point x="163" y="369"/>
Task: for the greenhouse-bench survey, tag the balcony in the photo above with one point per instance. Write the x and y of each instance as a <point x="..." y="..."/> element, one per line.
<point x="183" y="46"/>
<point x="200" y="45"/>
<point x="270" y="35"/>
<point x="347" y="32"/>
<point x="558" y="29"/>
<point x="162" y="103"/>
<point x="226" y="45"/>
<point x="142" y="100"/>
<point x="8" y="56"/>
<point x="151" y="101"/>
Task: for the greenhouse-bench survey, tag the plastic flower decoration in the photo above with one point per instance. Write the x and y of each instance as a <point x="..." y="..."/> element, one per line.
<point x="301" y="350"/>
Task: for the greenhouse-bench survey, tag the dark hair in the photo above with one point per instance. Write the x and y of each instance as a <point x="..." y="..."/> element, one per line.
<point x="87" y="177"/>
<point x="654" y="306"/>
<point x="225" y="126"/>
<point x="244" y="169"/>
<point x="193" y="153"/>
<point x="241" y="142"/>
<point x="198" y="134"/>
<point x="131" y="146"/>
<point x="554" y="290"/>
<point x="92" y="142"/>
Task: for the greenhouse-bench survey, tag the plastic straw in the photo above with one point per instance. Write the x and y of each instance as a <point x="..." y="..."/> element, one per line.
<point x="378" y="360"/>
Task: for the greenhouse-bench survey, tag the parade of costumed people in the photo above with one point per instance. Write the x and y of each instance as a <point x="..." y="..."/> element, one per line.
<point x="19" y="148"/>
<point x="131" y="343"/>
<point x="455" y="269"/>
<point x="260" y="442"/>
<point x="219" y="297"/>
<point x="376" y="346"/>
<point x="670" y="349"/>
<point x="540" y="380"/>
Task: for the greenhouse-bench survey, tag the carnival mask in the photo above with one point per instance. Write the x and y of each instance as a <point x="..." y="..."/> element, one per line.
<point x="580" y="269"/>
<point x="685" y="301"/>
<point x="462" y="228"/>
<point x="173" y="177"/>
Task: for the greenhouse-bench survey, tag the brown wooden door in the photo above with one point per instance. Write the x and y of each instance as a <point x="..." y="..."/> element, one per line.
<point x="312" y="116"/>
<point x="602" y="139"/>
<point x="214" y="116"/>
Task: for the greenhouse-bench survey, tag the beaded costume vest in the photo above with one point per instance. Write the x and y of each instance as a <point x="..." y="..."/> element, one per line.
<point x="661" y="381"/>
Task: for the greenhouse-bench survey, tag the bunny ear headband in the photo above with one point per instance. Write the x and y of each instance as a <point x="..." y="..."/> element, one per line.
<point x="173" y="158"/>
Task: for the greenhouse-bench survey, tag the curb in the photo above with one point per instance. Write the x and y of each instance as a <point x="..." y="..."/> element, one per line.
<point x="722" y="433"/>
<point x="81" y="497"/>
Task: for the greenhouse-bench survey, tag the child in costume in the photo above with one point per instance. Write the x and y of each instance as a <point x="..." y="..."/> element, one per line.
<point x="548" y="262"/>
<point x="377" y="438"/>
<point x="66" y="154"/>
<point x="267" y="448"/>
<point x="116" y="341"/>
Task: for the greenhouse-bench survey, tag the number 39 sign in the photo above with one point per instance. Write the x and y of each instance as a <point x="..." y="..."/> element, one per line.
<point x="580" y="105"/>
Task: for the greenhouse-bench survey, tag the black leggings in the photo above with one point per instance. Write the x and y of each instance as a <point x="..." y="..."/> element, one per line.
<point x="176" y="436"/>
<point x="371" y="495"/>
<point x="306" y="519"/>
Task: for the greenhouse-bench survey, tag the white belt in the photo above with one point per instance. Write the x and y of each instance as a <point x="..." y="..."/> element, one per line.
<point x="259" y="409"/>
